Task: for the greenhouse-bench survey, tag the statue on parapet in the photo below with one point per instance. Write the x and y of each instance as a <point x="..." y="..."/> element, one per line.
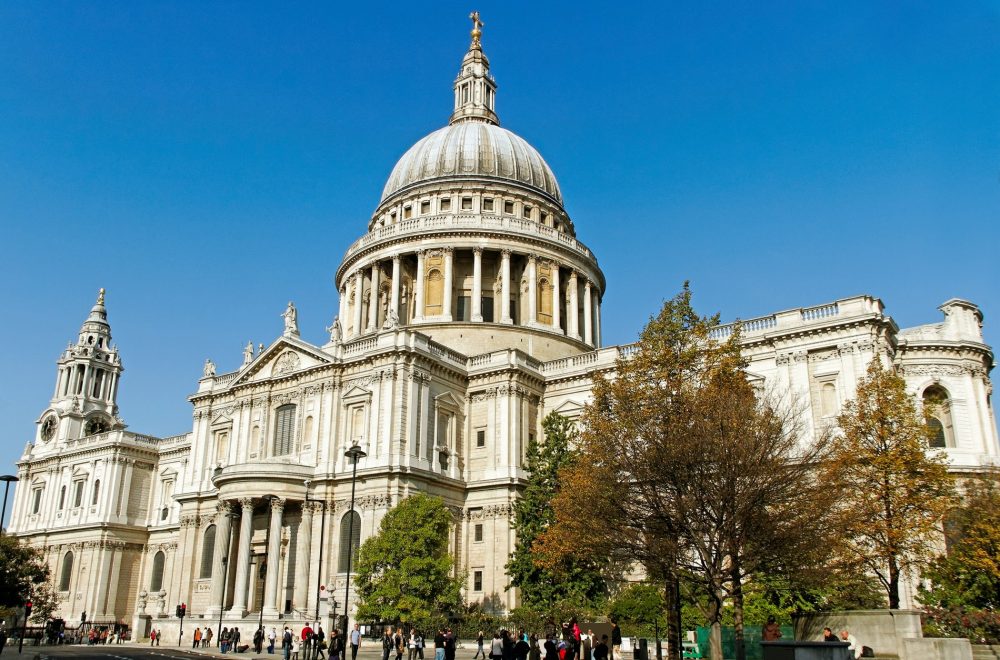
<point x="291" y="317"/>
<point x="248" y="353"/>
<point x="209" y="369"/>
<point x="336" y="332"/>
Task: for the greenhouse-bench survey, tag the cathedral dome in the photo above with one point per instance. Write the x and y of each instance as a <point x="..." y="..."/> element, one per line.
<point x="475" y="150"/>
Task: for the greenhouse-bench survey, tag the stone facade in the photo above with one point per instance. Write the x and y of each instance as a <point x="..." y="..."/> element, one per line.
<point x="468" y="311"/>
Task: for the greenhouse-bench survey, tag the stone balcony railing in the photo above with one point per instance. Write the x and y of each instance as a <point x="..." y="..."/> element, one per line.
<point x="470" y="222"/>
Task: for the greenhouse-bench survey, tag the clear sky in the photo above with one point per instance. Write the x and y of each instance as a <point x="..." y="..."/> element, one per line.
<point x="206" y="162"/>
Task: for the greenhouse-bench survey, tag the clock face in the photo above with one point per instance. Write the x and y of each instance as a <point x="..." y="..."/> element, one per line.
<point x="49" y="428"/>
<point x="95" y="426"/>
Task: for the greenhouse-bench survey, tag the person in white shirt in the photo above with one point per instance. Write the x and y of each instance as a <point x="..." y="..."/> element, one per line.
<point x="852" y="643"/>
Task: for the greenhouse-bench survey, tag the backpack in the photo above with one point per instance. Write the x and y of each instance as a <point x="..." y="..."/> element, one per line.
<point x="867" y="652"/>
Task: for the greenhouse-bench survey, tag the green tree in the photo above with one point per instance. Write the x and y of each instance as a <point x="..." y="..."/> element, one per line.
<point x="405" y="572"/>
<point x="967" y="577"/>
<point x="21" y="570"/>
<point x="24" y="576"/>
<point x="571" y="580"/>
<point x="639" y="606"/>
<point x="896" y="491"/>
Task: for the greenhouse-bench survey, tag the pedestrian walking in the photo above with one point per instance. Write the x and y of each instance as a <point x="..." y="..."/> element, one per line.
<point x="480" y="638"/>
<point x="355" y="641"/>
<point x="320" y="641"/>
<point x="271" y="637"/>
<point x="438" y="645"/>
<point x="387" y="642"/>
<point x="398" y="641"/>
<point x="286" y="643"/>
<point x="335" y="646"/>
<point x="196" y="638"/>
<point x="206" y="641"/>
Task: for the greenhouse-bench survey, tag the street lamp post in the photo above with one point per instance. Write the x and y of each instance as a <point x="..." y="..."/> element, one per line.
<point x="7" y="479"/>
<point x="355" y="453"/>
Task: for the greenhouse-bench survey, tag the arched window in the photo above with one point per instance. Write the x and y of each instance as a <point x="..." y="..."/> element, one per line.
<point x="207" y="553"/>
<point x="97" y="492"/>
<point x="156" y="576"/>
<point x="284" y="429"/>
<point x="350" y="539"/>
<point x="828" y="399"/>
<point x="434" y="294"/>
<point x="66" y="571"/>
<point x="62" y="498"/>
<point x="937" y="403"/>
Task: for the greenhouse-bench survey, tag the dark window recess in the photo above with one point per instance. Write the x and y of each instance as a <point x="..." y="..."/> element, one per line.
<point x="481" y="438"/>
<point x="477" y="581"/>
<point x="488" y="309"/>
<point x="479" y="532"/>
<point x="464" y="309"/>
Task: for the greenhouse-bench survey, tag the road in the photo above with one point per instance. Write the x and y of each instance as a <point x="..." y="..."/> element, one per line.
<point x="128" y="651"/>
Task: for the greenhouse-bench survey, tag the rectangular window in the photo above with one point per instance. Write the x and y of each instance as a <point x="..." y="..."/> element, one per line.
<point x="477" y="581"/>
<point x="508" y="207"/>
<point x="445" y="204"/>
<point x="284" y="430"/>
<point x="77" y="493"/>
<point x="425" y="207"/>
<point x="527" y="212"/>
<point x="478" y="535"/>
<point x="487" y="203"/>
<point x="407" y="212"/>
<point x="481" y="438"/>
<point x="36" y="500"/>
<point x="488" y="309"/>
<point x="466" y="203"/>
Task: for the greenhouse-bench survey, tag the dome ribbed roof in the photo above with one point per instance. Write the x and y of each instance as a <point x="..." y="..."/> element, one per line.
<point x="476" y="150"/>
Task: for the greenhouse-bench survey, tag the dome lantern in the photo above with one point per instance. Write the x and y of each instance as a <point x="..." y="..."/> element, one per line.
<point x="475" y="89"/>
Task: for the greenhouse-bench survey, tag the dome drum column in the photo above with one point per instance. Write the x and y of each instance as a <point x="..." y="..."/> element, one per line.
<point x="532" y="291"/>
<point x="556" y="304"/>
<point x="588" y="320"/>
<point x="505" y="287"/>
<point x="477" y="284"/>
<point x="359" y="284"/>
<point x="418" y="312"/>
<point x="573" y="322"/>
<point x="373" y="298"/>
<point x="394" y="292"/>
<point x="447" y="304"/>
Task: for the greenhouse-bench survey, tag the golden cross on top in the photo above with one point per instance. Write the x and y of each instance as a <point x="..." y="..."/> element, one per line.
<point x="476" y="28"/>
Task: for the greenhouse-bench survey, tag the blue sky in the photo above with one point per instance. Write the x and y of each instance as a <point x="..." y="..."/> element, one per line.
<point x="207" y="162"/>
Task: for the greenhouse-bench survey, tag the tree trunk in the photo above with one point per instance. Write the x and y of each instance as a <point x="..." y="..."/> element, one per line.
<point x="672" y="595"/>
<point x="739" y="649"/>
<point x="715" y="641"/>
<point x="893" y="584"/>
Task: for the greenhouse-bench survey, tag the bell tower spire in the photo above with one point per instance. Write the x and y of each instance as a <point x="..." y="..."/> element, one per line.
<point x="475" y="89"/>
<point x="85" y="398"/>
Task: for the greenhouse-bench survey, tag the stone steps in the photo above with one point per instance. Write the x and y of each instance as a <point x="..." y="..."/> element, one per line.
<point x="985" y="652"/>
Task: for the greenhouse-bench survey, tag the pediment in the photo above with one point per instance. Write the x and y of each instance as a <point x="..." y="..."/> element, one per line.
<point x="285" y="356"/>
<point x="448" y="400"/>
<point x="569" y="408"/>
<point x="357" y="392"/>
<point x="222" y="419"/>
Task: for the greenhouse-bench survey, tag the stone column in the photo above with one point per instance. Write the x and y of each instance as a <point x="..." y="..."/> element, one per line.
<point x="532" y="290"/>
<point x="588" y="320"/>
<point x="597" y="320"/>
<point x="505" y="287"/>
<point x="477" y="284"/>
<point x="300" y="596"/>
<point x="243" y="557"/>
<point x="273" y="558"/>
<point x="573" y="322"/>
<point x="373" y="299"/>
<point x="418" y="293"/>
<point x="449" y="282"/>
<point x="394" y="293"/>
<point x="359" y="287"/>
<point x="223" y="531"/>
<point x="556" y="301"/>
<point x="342" y="307"/>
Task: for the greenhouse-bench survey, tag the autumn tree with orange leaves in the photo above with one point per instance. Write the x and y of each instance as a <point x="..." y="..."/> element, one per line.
<point x="896" y="490"/>
<point x="687" y="469"/>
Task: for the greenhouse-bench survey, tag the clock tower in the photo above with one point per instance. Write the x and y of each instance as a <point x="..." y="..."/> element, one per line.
<point x="85" y="399"/>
